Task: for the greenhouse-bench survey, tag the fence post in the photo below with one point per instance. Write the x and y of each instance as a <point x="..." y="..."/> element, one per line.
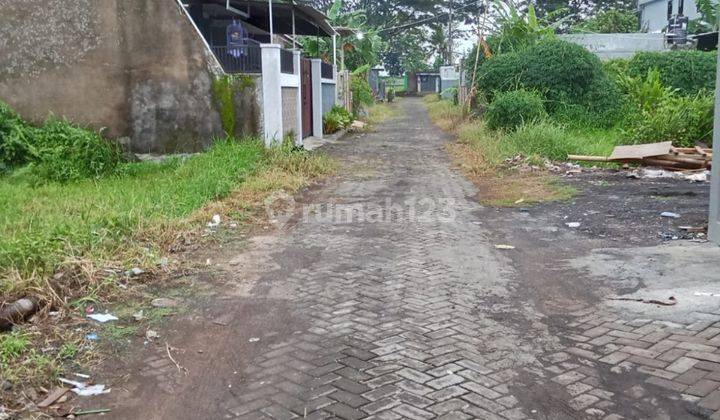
<point x="271" y="94"/>
<point x="317" y="106"/>
<point x="298" y="103"/>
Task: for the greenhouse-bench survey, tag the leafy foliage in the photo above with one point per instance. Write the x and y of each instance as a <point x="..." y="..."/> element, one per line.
<point x="687" y="71"/>
<point x="510" y="110"/>
<point x="684" y="120"/>
<point x="15" y="139"/>
<point x="357" y="49"/>
<point x="337" y="118"/>
<point x="645" y="93"/>
<point x="362" y="95"/>
<point x="608" y="22"/>
<point x="66" y="152"/>
<point x="565" y="73"/>
<point x="708" y="20"/>
<point x="518" y="30"/>
<point x="57" y="151"/>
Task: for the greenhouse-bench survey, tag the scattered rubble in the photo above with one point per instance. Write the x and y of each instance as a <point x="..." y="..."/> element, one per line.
<point x="214" y="222"/>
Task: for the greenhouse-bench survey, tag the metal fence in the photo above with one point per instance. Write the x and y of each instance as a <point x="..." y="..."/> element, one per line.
<point x="287" y="62"/>
<point x="326" y="70"/>
<point x="239" y="59"/>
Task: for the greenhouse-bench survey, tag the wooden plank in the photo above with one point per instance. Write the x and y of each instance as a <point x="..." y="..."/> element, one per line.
<point x="588" y="158"/>
<point x="672" y="164"/>
<point x="641" y="151"/>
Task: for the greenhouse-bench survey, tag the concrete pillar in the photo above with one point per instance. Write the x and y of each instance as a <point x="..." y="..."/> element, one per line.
<point x="272" y="94"/>
<point x="714" y="222"/>
<point x="317" y="105"/>
<point x="298" y="103"/>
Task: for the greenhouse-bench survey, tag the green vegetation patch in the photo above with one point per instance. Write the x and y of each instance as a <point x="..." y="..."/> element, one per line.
<point x="687" y="71"/>
<point x="224" y="90"/>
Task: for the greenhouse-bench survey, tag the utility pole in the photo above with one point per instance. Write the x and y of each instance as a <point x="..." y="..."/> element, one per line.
<point x="714" y="222"/>
<point x="450" y="34"/>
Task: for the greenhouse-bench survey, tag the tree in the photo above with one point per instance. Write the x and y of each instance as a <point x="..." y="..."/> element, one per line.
<point x="361" y="48"/>
<point x="609" y="22"/>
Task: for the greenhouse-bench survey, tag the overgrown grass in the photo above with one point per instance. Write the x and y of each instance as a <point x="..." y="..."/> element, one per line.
<point x="480" y="153"/>
<point x="443" y="113"/>
<point x="130" y="218"/>
<point x="381" y="112"/>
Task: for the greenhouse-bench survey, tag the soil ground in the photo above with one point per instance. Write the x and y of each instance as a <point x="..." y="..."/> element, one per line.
<point x="389" y="299"/>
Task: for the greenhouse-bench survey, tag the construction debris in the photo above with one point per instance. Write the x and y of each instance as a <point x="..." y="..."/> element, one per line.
<point x="663" y="155"/>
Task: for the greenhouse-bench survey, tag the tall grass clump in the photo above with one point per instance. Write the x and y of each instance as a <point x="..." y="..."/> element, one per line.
<point x="56" y="151"/>
<point x="511" y="109"/>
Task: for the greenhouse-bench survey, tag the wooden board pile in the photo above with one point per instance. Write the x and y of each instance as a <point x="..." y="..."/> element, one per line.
<point x="663" y="155"/>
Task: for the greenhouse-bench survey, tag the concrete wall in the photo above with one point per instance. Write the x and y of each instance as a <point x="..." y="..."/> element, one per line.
<point x="135" y="67"/>
<point x="609" y="46"/>
<point x="328" y="97"/>
<point x="289" y="110"/>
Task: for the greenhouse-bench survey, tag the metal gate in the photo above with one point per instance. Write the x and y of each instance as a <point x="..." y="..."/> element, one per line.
<point x="306" y="88"/>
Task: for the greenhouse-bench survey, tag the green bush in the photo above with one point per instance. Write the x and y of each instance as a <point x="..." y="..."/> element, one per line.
<point x="645" y="92"/>
<point x="15" y="139"/>
<point x="509" y="110"/>
<point x="687" y="71"/>
<point x="337" y="118"/>
<point x="565" y="73"/>
<point x="616" y="67"/>
<point x="609" y="22"/>
<point x="57" y="151"/>
<point x="684" y="120"/>
<point x="362" y="95"/>
<point x="66" y="152"/>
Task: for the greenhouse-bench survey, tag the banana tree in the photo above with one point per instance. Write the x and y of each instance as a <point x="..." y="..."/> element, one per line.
<point x="362" y="46"/>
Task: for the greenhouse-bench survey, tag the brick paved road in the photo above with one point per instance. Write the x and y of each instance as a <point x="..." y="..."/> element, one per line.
<point x="419" y="317"/>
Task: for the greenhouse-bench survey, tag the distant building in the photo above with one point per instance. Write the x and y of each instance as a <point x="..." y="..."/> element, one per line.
<point x="654" y="13"/>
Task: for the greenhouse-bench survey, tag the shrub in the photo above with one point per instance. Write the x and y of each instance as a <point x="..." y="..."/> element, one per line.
<point x="684" y="120"/>
<point x="15" y="139"/>
<point x="616" y="67"/>
<point x="609" y="22"/>
<point x="66" y="152"/>
<point x="687" y="71"/>
<point x="509" y="110"/>
<point x="645" y="92"/>
<point x="361" y="92"/>
<point x="337" y="118"/>
<point x="565" y="73"/>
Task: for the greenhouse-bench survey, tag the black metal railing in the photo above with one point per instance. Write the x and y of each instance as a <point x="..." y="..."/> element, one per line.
<point x="326" y="70"/>
<point x="239" y="59"/>
<point x="287" y="62"/>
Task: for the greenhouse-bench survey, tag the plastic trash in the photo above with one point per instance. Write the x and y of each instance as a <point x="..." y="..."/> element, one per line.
<point x="103" y="318"/>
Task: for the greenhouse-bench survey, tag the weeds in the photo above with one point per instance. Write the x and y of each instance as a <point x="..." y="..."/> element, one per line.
<point x="55" y="239"/>
<point x="381" y="112"/>
<point x="480" y="154"/>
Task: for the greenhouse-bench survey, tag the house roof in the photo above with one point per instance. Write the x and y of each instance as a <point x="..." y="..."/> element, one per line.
<point x="308" y="21"/>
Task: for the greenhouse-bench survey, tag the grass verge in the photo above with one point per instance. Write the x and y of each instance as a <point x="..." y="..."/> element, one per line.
<point x="480" y="154"/>
<point x="68" y="245"/>
<point x="54" y="238"/>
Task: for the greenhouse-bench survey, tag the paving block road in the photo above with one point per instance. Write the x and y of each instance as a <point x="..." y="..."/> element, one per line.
<point x="382" y="297"/>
